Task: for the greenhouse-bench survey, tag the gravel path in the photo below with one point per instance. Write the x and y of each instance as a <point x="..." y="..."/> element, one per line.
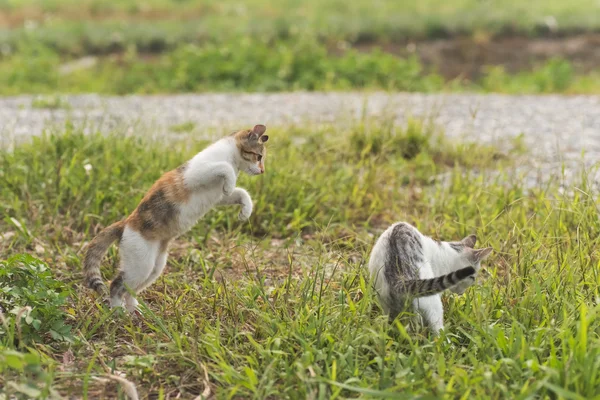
<point x="557" y="129"/>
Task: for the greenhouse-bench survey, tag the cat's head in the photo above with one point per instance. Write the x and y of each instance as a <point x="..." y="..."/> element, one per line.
<point x="471" y="256"/>
<point x="251" y="144"/>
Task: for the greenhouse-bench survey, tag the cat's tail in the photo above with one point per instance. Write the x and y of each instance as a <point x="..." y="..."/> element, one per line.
<point x="95" y="251"/>
<point x="427" y="287"/>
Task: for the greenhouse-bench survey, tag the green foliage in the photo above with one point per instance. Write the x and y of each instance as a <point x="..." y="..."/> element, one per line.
<point x="182" y="128"/>
<point x="556" y="76"/>
<point x="163" y="46"/>
<point x="237" y="65"/>
<point x="24" y="375"/>
<point x="48" y="178"/>
<point x="105" y="26"/>
<point x="37" y="65"/>
<point x="50" y="102"/>
<point x="408" y="143"/>
<point x="258" y="65"/>
<point x="32" y="300"/>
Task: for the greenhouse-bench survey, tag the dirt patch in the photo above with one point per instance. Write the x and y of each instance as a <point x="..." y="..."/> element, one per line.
<point x="467" y="56"/>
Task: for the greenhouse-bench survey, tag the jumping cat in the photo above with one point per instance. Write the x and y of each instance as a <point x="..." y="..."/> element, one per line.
<point x="171" y="207"/>
<point x="406" y="266"/>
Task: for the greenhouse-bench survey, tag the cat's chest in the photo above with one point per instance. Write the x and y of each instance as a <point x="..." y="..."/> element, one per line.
<point x="198" y="204"/>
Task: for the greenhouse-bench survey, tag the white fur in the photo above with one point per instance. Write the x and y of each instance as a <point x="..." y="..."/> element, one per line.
<point x="138" y="257"/>
<point x="439" y="261"/>
<point x="211" y="176"/>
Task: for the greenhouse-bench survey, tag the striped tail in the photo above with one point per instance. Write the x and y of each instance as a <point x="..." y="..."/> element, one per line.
<point x="95" y="251"/>
<point x="427" y="287"/>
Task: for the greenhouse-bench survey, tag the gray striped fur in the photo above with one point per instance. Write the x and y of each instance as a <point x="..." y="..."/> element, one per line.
<point x="409" y="268"/>
<point x="405" y="254"/>
<point x="427" y="287"/>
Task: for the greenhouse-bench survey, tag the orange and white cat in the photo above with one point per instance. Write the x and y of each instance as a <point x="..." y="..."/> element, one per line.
<point x="171" y="207"/>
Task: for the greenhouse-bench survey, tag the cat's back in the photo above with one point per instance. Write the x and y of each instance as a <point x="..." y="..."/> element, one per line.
<point x="157" y="212"/>
<point x="400" y="244"/>
<point x="400" y="233"/>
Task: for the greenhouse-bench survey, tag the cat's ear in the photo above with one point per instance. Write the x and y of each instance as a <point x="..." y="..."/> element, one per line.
<point x="469" y="241"/>
<point x="256" y="132"/>
<point x="481" y="254"/>
<point x="259" y="130"/>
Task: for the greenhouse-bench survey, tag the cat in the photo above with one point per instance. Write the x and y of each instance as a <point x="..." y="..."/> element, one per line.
<point x="171" y="207"/>
<point x="406" y="265"/>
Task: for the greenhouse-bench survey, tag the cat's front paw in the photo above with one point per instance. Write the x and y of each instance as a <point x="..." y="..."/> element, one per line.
<point x="246" y="211"/>
<point x="245" y="214"/>
<point x="228" y="188"/>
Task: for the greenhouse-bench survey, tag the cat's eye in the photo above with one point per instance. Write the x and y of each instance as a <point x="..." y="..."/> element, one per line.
<point x="259" y="157"/>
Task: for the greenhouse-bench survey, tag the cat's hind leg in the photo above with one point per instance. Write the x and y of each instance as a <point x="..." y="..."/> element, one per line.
<point x="159" y="266"/>
<point x="131" y="302"/>
<point x="432" y="311"/>
<point x="138" y="257"/>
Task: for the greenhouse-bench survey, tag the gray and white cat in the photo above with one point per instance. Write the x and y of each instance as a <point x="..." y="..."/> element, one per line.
<point x="406" y="266"/>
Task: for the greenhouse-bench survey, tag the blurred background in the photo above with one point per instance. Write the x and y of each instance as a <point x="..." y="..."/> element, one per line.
<point x="168" y="46"/>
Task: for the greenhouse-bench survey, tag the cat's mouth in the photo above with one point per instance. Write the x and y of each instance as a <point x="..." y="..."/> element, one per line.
<point x="251" y="171"/>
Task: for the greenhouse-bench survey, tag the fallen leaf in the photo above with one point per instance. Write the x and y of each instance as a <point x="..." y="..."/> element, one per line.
<point x="127" y="386"/>
<point x="68" y="359"/>
<point x="206" y="392"/>
<point x="6" y="236"/>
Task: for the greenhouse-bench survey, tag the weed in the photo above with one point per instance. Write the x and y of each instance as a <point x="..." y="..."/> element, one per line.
<point x="257" y="65"/>
<point x="50" y="102"/>
<point x="32" y="301"/>
<point x="183" y="128"/>
<point x="24" y="374"/>
<point x="104" y="26"/>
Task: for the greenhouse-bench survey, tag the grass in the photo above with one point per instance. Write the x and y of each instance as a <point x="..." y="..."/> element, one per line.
<point x="281" y="307"/>
<point x="183" y="127"/>
<point x="101" y="26"/>
<point x="166" y="46"/>
<point x="249" y="65"/>
<point x="50" y="102"/>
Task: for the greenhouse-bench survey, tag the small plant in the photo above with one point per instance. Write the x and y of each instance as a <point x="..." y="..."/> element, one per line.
<point x="32" y="301"/>
<point x="389" y="140"/>
<point x="183" y="128"/>
<point x="50" y="102"/>
<point x="24" y="375"/>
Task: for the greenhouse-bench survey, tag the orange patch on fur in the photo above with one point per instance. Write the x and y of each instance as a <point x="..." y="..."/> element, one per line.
<point x="241" y="137"/>
<point x="156" y="215"/>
